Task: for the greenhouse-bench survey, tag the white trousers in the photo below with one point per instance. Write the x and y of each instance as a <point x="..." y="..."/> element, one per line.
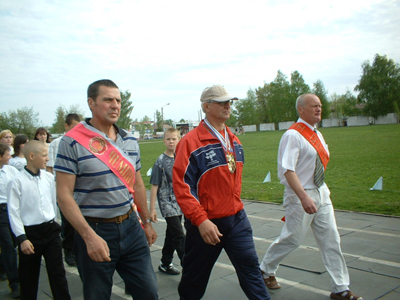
<point x="323" y="225"/>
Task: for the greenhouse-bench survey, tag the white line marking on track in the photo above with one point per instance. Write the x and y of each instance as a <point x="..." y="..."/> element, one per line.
<point x="360" y="257"/>
<point x="341" y="228"/>
<point x="284" y="281"/>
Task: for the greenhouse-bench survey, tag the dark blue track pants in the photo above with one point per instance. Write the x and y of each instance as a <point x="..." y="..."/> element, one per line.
<point x="199" y="258"/>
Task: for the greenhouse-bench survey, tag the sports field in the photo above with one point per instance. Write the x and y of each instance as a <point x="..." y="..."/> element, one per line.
<point x="359" y="156"/>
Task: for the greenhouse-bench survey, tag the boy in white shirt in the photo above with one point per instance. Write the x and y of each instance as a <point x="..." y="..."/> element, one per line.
<point x="32" y="209"/>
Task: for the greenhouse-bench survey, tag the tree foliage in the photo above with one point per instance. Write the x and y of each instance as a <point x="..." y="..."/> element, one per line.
<point x="343" y="106"/>
<point x="322" y="93"/>
<point x="169" y="122"/>
<point x="231" y="122"/>
<point x="379" y="86"/>
<point x="125" y="120"/>
<point x="297" y="85"/>
<point x="244" y="110"/>
<point x="21" y="121"/>
<point x="159" y="120"/>
<point x="273" y="98"/>
<point x="144" y="126"/>
<point x="276" y="101"/>
<point x="58" y="125"/>
<point x="61" y="113"/>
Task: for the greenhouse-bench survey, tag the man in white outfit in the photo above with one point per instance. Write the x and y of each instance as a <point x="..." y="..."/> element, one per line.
<point x="302" y="158"/>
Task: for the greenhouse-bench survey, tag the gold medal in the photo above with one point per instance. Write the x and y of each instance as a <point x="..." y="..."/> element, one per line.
<point x="231" y="162"/>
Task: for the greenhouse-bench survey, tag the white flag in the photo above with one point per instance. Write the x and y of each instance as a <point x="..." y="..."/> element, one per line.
<point x="378" y="185"/>
<point x="268" y="178"/>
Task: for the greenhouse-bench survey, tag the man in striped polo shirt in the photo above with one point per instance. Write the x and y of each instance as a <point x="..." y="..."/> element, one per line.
<point x="98" y="185"/>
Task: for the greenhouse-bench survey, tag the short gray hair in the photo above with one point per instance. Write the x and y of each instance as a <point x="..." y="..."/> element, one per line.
<point x="300" y="100"/>
<point x="202" y="106"/>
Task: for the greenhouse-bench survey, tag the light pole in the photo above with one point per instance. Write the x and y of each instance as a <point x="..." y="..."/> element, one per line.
<point x="162" y="116"/>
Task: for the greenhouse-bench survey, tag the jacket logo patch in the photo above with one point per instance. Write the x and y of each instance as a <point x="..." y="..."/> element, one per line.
<point x="210" y="156"/>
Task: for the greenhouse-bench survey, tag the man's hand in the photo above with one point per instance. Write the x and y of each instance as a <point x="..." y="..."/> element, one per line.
<point x="308" y="205"/>
<point x="294" y="182"/>
<point x="150" y="233"/>
<point x="210" y="233"/>
<point x="97" y="248"/>
<point x="27" y="247"/>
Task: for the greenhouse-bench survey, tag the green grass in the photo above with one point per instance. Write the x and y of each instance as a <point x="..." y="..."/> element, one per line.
<point x="359" y="156"/>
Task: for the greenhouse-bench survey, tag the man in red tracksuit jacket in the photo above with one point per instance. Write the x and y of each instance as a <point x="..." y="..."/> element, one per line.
<point x="207" y="179"/>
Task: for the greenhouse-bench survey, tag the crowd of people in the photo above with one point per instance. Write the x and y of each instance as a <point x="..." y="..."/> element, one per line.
<point x="92" y="174"/>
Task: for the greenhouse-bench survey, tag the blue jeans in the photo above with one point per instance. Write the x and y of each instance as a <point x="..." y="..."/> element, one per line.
<point x="199" y="258"/>
<point x="130" y="257"/>
<point x="8" y="252"/>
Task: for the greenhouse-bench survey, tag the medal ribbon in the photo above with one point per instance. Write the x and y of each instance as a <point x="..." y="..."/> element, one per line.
<point x="226" y="143"/>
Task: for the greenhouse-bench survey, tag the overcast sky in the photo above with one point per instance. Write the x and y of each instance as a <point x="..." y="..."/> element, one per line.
<point x="169" y="51"/>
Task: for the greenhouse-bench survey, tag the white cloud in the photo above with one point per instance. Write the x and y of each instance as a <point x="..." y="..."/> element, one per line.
<point x="169" y="51"/>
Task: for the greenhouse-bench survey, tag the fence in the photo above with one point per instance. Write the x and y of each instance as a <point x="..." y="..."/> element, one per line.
<point x="391" y="118"/>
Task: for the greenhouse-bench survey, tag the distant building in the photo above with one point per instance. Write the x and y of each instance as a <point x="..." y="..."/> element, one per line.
<point x="184" y="128"/>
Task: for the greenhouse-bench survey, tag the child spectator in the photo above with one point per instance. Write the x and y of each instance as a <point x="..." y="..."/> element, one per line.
<point x="161" y="180"/>
<point x="7" y="238"/>
<point x="18" y="159"/>
<point x="6" y="137"/>
<point x="32" y="209"/>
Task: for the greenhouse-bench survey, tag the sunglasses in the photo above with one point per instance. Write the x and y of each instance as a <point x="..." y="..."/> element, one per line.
<point x="221" y="103"/>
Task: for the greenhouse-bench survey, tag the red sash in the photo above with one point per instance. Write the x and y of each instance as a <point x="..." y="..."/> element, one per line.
<point x="106" y="152"/>
<point x="312" y="137"/>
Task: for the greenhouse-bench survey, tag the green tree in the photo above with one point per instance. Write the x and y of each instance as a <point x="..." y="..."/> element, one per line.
<point x="322" y="93"/>
<point x="169" y="122"/>
<point x="333" y="106"/>
<point x="58" y="125"/>
<point x="125" y="120"/>
<point x="397" y="111"/>
<point x="344" y="106"/>
<point x="245" y="110"/>
<point x="159" y="120"/>
<point x="379" y="86"/>
<point x="144" y="126"/>
<point x="75" y="109"/>
<point x="297" y="87"/>
<point x="231" y="122"/>
<point x="4" y="121"/>
<point x="262" y="105"/>
<point x="21" y="121"/>
<point x="274" y="100"/>
<point x="61" y="114"/>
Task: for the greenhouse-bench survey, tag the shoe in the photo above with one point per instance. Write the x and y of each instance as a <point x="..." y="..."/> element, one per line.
<point x="170" y="270"/>
<point x="15" y="293"/>
<point x="346" y="295"/>
<point x="69" y="258"/>
<point x="272" y="283"/>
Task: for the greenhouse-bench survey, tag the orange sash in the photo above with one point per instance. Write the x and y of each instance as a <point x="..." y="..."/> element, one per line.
<point x="106" y="152"/>
<point x="312" y="137"/>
